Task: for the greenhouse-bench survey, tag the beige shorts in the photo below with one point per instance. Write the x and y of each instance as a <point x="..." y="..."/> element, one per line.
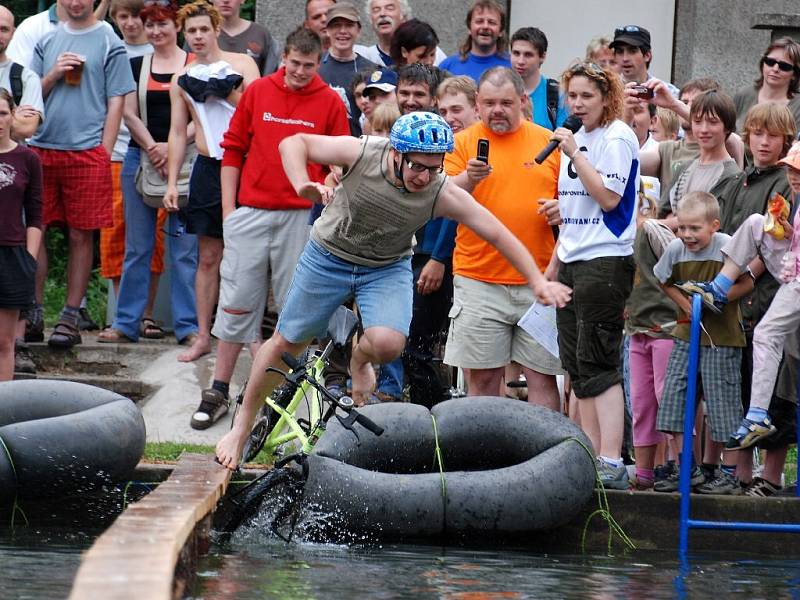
<point x="483" y="328"/>
<point x="261" y="248"/>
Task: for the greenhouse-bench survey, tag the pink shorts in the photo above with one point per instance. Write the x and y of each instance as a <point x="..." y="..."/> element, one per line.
<point x="648" y="359"/>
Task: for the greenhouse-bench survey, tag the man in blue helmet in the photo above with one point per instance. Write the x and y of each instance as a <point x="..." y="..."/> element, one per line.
<point x="360" y="248"/>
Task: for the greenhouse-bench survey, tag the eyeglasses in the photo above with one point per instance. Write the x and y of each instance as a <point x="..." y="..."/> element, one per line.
<point x="164" y="3"/>
<point x="420" y="168"/>
<point x="782" y="65"/>
<point x="626" y="29"/>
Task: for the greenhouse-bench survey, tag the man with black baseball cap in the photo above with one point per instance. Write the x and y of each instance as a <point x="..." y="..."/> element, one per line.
<point x="633" y="51"/>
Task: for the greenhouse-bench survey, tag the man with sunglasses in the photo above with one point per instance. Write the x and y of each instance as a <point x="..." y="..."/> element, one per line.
<point x="633" y="51"/>
<point x="360" y="248"/>
<point x="490" y="295"/>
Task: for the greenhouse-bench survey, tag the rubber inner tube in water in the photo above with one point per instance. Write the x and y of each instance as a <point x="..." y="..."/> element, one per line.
<point x="58" y="437"/>
<point x="508" y="467"/>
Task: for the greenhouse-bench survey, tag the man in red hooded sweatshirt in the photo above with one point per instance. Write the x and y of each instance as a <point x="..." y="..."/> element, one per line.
<point x="266" y="233"/>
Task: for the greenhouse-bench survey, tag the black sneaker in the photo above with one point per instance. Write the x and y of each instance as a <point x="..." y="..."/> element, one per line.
<point x="34" y="325"/>
<point x="23" y="361"/>
<point x="661" y="472"/>
<point x="722" y="484"/>
<point x="85" y="321"/>
<point x="672" y="483"/>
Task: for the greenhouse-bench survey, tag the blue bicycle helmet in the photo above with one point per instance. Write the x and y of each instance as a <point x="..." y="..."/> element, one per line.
<point x="421" y="132"/>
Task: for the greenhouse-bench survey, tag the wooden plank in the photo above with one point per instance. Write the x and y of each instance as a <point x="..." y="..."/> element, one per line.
<point x="136" y="557"/>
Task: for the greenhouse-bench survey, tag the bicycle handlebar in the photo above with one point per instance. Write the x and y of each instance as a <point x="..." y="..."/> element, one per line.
<point x="368" y="424"/>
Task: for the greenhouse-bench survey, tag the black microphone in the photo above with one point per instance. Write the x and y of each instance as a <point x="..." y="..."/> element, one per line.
<point x="572" y="123"/>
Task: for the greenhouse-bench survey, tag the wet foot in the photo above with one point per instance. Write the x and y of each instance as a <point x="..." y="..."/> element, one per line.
<point x="363" y="378"/>
<point x="200" y="347"/>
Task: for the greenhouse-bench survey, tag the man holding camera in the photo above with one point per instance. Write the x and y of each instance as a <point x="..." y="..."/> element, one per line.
<point x="489" y="294"/>
<point x="633" y="51"/>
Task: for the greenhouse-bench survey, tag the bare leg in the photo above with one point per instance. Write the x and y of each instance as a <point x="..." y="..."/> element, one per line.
<point x="377" y="345"/>
<point x="609" y="407"/>
<point x="542" y="389"/>
<point x="744" y="465"/>
<point x="8" y="327"/>
<point x="645" y="457"/>
<point x="207" y="291"/>
<point x="774" y="461"/>
<point x="79" y="264"/>
<point x="485" y="382"/>
<point x="229" y="448"/>
<point x="227" y="353"/>
<point x="589" y="423"/>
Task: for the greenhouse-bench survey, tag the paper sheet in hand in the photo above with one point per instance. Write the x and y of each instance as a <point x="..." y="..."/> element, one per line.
<point x="540" y="323"/>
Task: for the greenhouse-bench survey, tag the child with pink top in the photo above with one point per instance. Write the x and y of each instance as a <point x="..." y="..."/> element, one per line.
<point x="781" y="256"/>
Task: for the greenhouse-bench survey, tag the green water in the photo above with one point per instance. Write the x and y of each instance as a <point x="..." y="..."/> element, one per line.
<point x="306" y="571"/>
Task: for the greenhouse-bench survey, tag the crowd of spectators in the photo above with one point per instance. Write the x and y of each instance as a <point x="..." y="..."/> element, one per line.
<point x="164" y="130"/>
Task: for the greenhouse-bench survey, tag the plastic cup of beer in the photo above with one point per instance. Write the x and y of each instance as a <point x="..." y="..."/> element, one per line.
<point x="73" y="76"/>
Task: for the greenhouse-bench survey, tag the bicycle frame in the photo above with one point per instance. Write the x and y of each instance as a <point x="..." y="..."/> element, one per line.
<point x="279" y="435"/>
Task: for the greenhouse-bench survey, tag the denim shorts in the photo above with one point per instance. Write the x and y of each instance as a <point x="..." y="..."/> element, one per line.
<point x="323" y="282"/>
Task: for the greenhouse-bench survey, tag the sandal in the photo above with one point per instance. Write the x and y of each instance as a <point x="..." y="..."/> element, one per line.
<point x="150" y="330"/>
<point x="213" y="405"/>
<point x="65" y="335"/>
<point x="109" y="335"/>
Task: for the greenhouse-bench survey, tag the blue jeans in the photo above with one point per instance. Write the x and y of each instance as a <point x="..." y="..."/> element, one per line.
<point x="323" y="281"/>
<point x="140" y="239"/>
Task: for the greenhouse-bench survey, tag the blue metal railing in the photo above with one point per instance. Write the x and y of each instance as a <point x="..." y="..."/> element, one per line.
<point x="686" y="522"/>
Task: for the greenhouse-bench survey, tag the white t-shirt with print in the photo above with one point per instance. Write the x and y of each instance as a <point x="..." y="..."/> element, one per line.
<point x="588" y="231"/>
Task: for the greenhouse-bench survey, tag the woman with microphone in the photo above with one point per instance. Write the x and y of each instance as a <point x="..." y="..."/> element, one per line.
<point x="597" y="197"/>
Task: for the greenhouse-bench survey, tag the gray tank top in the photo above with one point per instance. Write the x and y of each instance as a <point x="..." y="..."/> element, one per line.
<point x="370" y="222"/>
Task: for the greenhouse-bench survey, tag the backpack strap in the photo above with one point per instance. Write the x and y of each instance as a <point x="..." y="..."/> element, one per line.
<point x="552" y="101"/>
<point x="144" y="75"/>
<point x="15" y="78"/>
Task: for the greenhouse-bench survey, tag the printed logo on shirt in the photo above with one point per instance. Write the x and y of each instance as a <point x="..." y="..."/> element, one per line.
<point x="269" y="117"/>
<point x="573" y="174"/>
<point x="7" y="175"/>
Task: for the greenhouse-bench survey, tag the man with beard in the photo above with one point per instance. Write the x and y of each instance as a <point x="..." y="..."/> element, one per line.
<point x="485" y="46"/>
<point x="386" y="16"/>
<point x="416" y="88"/>
<point x="489" y="295"/>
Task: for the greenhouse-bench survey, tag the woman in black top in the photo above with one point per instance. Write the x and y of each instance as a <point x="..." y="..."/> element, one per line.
<point x="151" y="138"/>
<point x="20" y="231"/>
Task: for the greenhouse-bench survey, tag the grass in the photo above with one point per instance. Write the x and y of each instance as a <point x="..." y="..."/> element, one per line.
<point x="171" y="452"/>
<point x="790" y="470"/>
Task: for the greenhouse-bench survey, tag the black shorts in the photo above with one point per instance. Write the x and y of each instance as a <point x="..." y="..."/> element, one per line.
<point x="17" y="277"/>
<point x="590" y="325"/>
<point x="203" y="212"/>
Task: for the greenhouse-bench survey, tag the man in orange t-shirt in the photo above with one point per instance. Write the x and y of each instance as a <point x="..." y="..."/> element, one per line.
<point x="490" y="296"/>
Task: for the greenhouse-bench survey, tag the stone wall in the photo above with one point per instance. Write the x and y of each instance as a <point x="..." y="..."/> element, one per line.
<point x="445" y="16"/>
<point x="714" y="38"/>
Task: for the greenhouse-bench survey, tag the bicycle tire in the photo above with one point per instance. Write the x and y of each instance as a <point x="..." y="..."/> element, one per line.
<point x="237" y="507"/>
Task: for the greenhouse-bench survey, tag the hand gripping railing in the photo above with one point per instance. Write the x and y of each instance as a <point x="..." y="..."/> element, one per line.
<point x="686" y="522"/>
